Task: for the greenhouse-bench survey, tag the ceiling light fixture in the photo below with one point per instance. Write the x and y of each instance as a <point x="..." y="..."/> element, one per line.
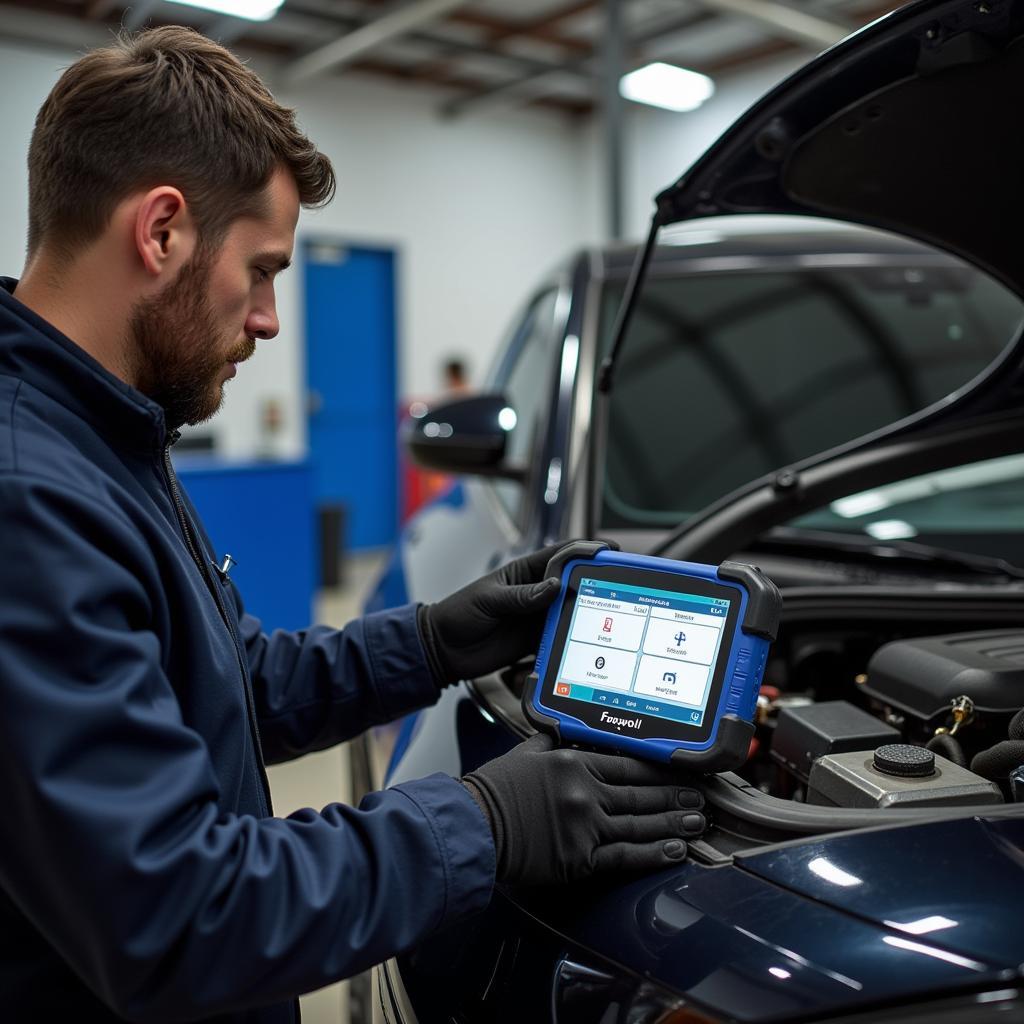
<point x="251" y="10"/>
<point x="666" y="86"/>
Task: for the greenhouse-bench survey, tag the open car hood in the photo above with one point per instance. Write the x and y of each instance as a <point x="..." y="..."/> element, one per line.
<point x="911" y="125"/>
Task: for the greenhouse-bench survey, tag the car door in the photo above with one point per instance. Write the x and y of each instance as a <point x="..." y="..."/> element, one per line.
<point x="527" y="374"/>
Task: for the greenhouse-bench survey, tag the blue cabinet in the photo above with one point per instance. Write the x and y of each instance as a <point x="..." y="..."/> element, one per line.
<point x="261" y="513"/>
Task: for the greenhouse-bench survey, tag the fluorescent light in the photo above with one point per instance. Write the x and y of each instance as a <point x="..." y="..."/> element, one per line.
<point x="824" y="868"/>
<point x="890" y="529"/>
<point x="252" y="10"/>
<point x="666" y="86"/>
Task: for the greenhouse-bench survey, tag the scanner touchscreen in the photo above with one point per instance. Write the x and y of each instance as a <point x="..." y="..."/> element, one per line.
<point x="643" y="650"/>
<point x="652" y="656"/>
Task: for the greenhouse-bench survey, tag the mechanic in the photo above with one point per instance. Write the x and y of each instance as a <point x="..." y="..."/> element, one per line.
<point x="142" y="872"/>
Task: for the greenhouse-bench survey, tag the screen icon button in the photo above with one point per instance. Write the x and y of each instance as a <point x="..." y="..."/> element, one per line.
<point x="563" y="689"/>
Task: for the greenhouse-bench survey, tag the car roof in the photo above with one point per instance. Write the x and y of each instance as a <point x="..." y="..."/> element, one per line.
<point x="763" y="237"/>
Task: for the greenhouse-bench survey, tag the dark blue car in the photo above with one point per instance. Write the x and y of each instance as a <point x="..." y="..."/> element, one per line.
<point x="843" y="404"/>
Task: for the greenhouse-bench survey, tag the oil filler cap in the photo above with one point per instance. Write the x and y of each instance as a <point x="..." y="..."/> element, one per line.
<point x="904" y="761"/>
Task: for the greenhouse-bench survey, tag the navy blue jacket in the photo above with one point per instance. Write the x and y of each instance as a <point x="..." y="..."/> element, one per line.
<point x="142" y="875"/>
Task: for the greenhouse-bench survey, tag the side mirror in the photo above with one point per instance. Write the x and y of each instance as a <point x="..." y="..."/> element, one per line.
<point x="467" y="435"/>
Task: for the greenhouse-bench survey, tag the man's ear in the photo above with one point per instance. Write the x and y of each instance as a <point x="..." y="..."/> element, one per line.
<point x="165" y="233"/>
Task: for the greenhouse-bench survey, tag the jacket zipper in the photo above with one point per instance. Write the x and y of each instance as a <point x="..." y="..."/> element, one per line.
<point x="194" y="546"/>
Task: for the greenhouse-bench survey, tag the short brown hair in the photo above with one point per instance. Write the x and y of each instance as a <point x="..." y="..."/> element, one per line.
<point x="166" y="106"/>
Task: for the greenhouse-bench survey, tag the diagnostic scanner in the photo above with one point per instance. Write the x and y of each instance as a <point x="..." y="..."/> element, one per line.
<point x="653" y="657"/>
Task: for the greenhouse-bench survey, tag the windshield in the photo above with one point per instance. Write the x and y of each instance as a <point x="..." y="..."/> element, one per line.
<point x="726" y="376"/>
<point x="973" y="508"/>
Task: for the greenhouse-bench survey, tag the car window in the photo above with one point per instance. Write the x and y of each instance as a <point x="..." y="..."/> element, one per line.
<point x="973" y="508"/>
<point x="727" y="376"/>
<point x="526" y="379"/>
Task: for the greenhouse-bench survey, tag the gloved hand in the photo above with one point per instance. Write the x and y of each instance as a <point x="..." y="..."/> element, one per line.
<point x="490" y="623"/>
<point x="561" y="815"/>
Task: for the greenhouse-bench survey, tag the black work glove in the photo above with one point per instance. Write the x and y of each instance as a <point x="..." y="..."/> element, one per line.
<point x="560" y="815"/>
<point x="490" y="623"/>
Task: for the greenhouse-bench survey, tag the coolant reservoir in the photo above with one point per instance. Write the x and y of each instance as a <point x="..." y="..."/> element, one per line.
<point x="896" y="775"/>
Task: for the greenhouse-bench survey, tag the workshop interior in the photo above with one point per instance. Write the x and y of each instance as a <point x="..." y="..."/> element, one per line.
<point x="720" y="300"/>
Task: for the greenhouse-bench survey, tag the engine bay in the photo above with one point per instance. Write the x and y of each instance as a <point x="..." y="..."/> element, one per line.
<point x="890" y="713"/>
<point x="879" y="706"/>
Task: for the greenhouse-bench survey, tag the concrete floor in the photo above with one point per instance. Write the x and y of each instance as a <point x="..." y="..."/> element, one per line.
<point x="322" y="778"/>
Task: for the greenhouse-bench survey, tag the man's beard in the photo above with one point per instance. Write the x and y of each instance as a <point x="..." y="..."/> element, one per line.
<point x="177" y="352"/>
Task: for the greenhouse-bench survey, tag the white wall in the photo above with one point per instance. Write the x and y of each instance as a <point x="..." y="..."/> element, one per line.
<point x="478" y="210"/>
<point x="26" y="77"/>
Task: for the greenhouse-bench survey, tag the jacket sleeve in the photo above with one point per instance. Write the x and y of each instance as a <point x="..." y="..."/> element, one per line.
<point x="320" y="686"/>
<point x="112" y="842"/>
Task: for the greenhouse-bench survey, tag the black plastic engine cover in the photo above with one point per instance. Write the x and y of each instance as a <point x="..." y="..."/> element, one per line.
<point x="922" y="677"/>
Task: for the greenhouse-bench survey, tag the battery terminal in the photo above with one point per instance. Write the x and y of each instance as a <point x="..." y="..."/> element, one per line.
<point x="962" y="711"/>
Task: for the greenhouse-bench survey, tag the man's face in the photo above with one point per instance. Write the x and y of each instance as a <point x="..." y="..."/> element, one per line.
<point x="188" y="339"/>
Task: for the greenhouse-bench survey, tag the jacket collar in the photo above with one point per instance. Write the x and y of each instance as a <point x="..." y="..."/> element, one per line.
<point x="36" y="352"/>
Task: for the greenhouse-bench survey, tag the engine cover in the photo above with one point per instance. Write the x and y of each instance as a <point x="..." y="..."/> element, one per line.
<point x="922" y="677"/>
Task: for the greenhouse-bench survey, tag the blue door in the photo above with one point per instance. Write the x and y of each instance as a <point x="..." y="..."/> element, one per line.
<point x="350" y="373"/>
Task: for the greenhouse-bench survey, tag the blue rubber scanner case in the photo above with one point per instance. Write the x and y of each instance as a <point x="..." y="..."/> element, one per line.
<point x="751" y="604"/>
